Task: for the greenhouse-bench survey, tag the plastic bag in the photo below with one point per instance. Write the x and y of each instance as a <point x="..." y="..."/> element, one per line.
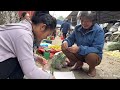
<point x="58" y="60"/>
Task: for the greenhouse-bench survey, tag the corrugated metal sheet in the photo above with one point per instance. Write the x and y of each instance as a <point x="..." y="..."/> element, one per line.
<point x="101" y="16"/>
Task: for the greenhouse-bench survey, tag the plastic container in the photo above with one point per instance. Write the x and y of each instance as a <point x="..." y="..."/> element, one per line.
<point x="47" y="41"/>
<point x="46" y="55"/>
<point x="44" y="45"/>
<point x="62" y="38"/>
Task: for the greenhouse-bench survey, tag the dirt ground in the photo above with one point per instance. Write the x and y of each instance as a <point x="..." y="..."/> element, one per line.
<point x="108" y="69"/>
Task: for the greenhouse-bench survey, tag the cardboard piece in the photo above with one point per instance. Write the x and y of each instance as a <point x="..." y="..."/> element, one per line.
<point x="64" y="75"/>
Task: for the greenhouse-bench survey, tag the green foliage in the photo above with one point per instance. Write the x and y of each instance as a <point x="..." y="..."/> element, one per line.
<point x="111" y="46"/>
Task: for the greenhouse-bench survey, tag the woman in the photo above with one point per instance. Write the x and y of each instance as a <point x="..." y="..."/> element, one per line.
<point x="16" y="47"/>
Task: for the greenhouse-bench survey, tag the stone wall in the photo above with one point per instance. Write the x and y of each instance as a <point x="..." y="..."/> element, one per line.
<point x="8" y="17"/>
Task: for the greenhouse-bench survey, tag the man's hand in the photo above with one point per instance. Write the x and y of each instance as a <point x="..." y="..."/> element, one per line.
<point x="73" y="49"/>
<point x="64" y="45"/>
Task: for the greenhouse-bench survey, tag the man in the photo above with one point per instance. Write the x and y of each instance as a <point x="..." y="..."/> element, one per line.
<point x="25" y="16"/>
<point x="85" y="44"/>
<point x="65" y="27"/>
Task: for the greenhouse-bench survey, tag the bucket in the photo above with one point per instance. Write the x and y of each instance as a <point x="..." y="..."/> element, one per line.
<point x="52" y="38"/>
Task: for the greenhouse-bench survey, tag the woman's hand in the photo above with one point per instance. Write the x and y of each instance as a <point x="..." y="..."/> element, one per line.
<point x="41" y="60"/>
